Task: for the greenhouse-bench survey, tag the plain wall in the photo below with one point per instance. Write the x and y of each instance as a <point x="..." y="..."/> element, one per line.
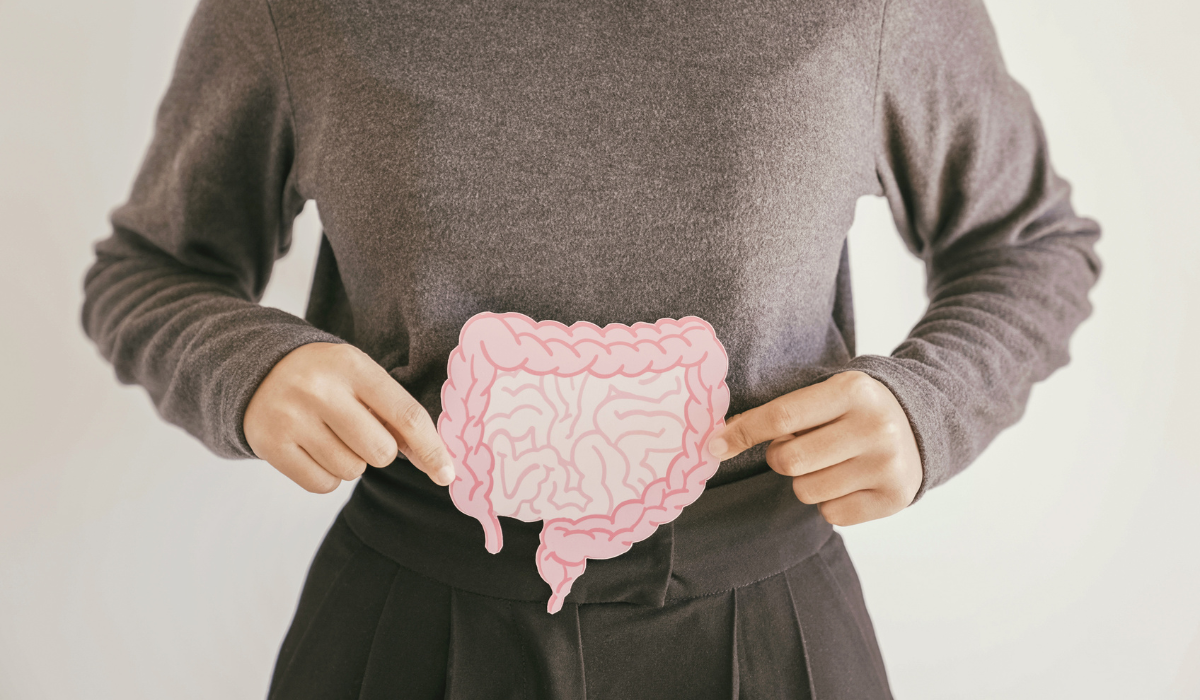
<point x="1063" y="564"/>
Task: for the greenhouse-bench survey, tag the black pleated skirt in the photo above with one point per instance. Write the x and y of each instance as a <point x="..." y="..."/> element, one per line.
<point x="725" y="603"/>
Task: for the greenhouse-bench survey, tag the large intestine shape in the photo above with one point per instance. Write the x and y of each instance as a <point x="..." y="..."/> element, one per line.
<point x="599" y="433"/>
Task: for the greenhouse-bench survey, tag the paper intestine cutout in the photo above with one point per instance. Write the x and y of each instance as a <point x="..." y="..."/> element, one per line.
<point x="598" y="432"/>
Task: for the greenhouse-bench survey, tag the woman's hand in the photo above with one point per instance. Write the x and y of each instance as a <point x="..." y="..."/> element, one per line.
<point x="846" y="442"/>
<point x="327" y="410"/>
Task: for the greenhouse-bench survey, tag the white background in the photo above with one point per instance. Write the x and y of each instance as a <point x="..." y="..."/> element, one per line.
<point x="1063" y="564"/>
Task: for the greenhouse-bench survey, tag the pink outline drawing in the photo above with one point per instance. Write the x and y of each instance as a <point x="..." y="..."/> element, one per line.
<point x="492" y="343"/>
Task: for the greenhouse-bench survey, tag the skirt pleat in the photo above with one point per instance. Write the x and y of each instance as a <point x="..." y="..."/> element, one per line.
<point x="505" y="650"/>
<point x="408" y="657"/>
<point x="770" y="649"/>
<point x="334" y="630"/>
<point x="681" y="650"/>
<point x="842" y="654"/>
<point x="368" y="627"/>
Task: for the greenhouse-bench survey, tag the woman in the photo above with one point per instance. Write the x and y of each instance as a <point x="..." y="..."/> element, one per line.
<point x="614" y="163"/>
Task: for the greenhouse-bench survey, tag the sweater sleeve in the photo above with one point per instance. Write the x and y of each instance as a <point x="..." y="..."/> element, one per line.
<point x="171" y="298"/>
<point x="963" y="161"/>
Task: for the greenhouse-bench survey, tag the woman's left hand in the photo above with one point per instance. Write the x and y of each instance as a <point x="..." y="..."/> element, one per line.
<point x="846" y="442"/>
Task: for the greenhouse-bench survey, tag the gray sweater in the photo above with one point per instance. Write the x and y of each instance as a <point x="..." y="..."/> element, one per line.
<point x="600" y="161"/>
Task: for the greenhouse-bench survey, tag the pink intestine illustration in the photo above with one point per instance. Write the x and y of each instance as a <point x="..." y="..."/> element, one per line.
<point x="597" y="432"/>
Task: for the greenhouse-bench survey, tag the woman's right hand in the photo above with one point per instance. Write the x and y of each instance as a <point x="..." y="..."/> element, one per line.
<point x="327" y="410"/>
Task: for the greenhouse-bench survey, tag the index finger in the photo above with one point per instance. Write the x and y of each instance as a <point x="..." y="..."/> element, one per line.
<point x="802" y="409"/>
<point x="407" y="417"/>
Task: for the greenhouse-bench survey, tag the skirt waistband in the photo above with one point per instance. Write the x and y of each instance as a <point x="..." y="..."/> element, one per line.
<point x="733" y="535"/>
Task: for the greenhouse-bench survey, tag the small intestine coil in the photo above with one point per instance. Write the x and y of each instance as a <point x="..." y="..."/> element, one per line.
<point x="597" y="432"/>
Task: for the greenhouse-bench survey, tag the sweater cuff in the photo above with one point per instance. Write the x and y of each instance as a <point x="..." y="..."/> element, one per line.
<point x="926" y="407"/>
<point x="239" y="376"/>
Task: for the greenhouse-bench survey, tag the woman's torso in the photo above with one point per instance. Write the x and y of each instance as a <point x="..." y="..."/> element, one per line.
<point x="599" y="161"/>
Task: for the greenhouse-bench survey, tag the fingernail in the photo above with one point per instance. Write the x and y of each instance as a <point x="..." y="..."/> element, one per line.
<point x="718" y="447"/>
<point x="444" y="476"/>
